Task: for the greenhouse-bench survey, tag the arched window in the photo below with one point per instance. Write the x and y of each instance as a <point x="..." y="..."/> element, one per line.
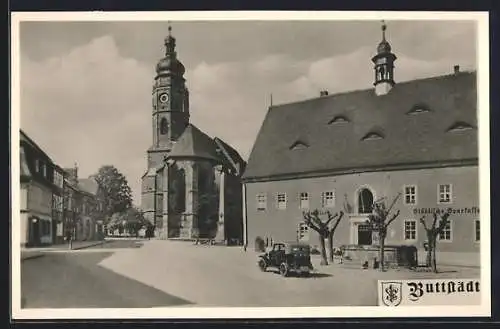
<point x="181" y="190"/>
<point x="163" y="126"/>
<point x="365" y="201"/>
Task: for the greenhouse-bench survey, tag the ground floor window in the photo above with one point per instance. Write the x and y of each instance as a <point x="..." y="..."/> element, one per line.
<point x="303" y="232"/>
<point x="477" y="230"/>
<point x="446" y="233"/>
<point x="410" y="230"/>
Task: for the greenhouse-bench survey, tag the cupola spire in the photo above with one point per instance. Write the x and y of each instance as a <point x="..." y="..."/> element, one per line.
<point x="384" y="65"/>
<point x="170" y="42"/>
<point x="170" y="65"/>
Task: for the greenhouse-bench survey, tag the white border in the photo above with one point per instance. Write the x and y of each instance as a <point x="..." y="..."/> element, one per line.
<point x="484" y="309"/>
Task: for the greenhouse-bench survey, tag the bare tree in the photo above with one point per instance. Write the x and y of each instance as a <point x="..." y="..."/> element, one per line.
<point x="432" y="233"/>
<point x="323" y="229"/>
<point x="379" y="222"/>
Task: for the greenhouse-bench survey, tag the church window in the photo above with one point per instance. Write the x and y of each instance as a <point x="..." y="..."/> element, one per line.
<point x="460" y="126"/>
<point x="163" y="126"/>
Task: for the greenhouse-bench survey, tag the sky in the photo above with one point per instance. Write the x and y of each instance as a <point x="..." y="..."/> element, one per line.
<point x="86" y="86"/>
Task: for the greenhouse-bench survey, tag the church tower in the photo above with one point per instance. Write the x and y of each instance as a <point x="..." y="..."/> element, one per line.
<point x="170" y="100"/>
<point x="384" y="66"/>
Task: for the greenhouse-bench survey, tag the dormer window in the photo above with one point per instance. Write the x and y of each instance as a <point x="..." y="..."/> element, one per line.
<point x="372" y="136"/>
<point x="419" y="108"/>
<point x="460" y="126"/>
<point x="339" y="119"/>
<point x="299" y="145"/>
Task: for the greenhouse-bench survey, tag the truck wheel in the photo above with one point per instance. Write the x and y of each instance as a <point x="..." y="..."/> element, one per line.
<point x="262" y="265"/>
<point x="284" y="271"/>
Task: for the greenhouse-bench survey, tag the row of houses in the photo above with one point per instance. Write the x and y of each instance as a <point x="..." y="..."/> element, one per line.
<point x="54" y="200"/>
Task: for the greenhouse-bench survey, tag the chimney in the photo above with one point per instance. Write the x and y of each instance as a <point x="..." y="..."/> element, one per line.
<point x="456" y="69"/>
<point x="323" y="93"/>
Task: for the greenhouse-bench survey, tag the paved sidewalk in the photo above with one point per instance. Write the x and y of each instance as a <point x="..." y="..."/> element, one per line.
<point x="30" y="253"/>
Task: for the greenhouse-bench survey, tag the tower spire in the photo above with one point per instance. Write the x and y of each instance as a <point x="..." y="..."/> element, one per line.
<point x="384" y="27"/>
<point x="170" y="42"/>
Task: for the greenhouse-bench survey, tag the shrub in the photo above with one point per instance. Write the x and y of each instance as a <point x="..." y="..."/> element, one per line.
<point x="260" y="244"/>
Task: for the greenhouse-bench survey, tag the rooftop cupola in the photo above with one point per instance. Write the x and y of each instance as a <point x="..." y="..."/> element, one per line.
<point x="170" y="65"/>
<point x="384" y="65"/>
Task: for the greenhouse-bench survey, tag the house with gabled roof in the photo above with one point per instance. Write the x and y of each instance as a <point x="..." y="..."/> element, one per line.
<point x="41" y="182"/>
<point x="341" y="152"/>
<point x="192" y="185"/>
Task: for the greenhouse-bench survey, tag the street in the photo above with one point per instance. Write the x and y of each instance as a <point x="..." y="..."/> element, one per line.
<point x="156" y="273"/>
<point x="75" y="280"/>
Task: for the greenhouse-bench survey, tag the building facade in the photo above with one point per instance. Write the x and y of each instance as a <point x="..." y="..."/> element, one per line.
<point x="192" y="184"/>
<point x="83" y="207"/>
<point x="58" y="206"/>
<point x="37" y="192"/>
<point x="344" y="151"/>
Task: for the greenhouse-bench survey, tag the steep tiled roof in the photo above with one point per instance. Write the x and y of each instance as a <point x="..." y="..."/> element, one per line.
<point x="358" y="129"/>
<point x="193" y="143"/>
<point x="231" y="155"/>
<point x="25" y="171"/>
<point x="23" y="137"/>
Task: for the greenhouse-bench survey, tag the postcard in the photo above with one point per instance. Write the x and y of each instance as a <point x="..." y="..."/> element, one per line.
<point x="250" y="164"/>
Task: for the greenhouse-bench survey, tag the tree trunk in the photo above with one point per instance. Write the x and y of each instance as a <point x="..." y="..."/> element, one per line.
<point x="428" y="260"/>
<point x="381" y="251"/>
<point x="330" y="245"/>
<point x="434" y="265"/>
<point x="323" y="250"/>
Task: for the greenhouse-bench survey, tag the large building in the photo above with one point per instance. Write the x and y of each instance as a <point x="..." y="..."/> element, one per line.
<point x="192" y="188"/>
<point x="341" y="152"/>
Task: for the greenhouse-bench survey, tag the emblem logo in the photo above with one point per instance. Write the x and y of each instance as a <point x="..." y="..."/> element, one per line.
<point x="391" y="293"/>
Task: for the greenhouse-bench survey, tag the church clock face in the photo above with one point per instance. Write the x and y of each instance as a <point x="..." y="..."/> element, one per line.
<point x="164" y="98"/>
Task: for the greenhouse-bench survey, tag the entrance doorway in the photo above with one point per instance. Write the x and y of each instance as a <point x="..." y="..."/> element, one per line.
<point x="34" y="233"/>
<point x="364" y="235"/>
